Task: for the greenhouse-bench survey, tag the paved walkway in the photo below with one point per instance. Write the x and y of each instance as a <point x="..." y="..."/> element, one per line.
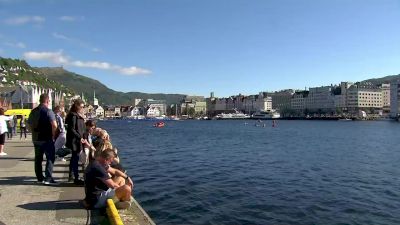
<point x="22" y="201"/>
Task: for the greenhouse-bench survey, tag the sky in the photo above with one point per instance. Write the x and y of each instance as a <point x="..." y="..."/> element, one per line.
<point x="197" y="47"/>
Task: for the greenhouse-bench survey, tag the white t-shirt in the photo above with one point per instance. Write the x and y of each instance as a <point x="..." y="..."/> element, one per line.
<point x="3" y="123"/>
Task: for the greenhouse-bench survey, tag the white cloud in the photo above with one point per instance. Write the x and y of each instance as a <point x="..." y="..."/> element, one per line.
<point x="24" y="20"/>
<point x="76" y="41"/>
<point x="71" y="18"/>
<point x="15" y="45"/>
<point x="60" y="58"/>
<point x="63" y="37"/>
<point x="54" y="57"/>
<point x="96" y="50"/>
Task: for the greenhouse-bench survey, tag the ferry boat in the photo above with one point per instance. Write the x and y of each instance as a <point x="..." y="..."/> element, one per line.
<point x="266" y="115"/>
<point x="232" y="116"/>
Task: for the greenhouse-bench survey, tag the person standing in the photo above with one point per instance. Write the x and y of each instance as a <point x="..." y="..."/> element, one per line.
<point x="75" y="129"/>
<point x="3" y="130"/>
<point x="61" y="133"/>
<point x="14" y="128"/>
<point x="22" y="127"/>
<point x="10" y="125"/>
<point x="43" y="125"/>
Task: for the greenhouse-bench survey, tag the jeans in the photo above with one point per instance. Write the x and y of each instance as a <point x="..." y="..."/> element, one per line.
<point x="9" y="133"/>
<point x="73" y="165"/>
<point x="44" y="148"/>
<point x="22" y="129"/>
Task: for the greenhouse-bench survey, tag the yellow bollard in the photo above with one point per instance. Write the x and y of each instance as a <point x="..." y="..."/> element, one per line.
<point x="112" y="212"/>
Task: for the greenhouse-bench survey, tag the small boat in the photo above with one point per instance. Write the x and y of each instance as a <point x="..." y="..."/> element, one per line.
<point x="345" y="119"/>
<point x="159" y="124"/>
<point x="266" y="115"/>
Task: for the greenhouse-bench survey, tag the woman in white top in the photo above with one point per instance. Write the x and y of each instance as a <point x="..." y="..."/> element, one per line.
<point x="3" y="130"/>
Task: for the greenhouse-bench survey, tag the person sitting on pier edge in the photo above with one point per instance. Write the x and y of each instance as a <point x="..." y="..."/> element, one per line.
<point x="101" y="145"/>
<point x="75" y="129"/>
<point x="99" y="186"/>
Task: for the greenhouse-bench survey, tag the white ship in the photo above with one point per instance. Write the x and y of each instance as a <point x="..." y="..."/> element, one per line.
<point x="232" y="116"/>
<point x="266" y="115"/>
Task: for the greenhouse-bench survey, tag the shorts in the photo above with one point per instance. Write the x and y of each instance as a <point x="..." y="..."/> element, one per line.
<point x="2" y="138"/>
<point x="102" y="200"/>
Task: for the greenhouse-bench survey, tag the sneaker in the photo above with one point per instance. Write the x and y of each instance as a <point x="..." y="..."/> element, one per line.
<point x="39" y="182"/>
<point x="123" y="205"/>
<point x="62" y="159"/>
<point x="79" y="182"/>
<point x="3" y="154"/>
<point x="51" y="182"/>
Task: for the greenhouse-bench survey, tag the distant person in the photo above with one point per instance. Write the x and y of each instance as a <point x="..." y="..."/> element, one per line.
<point x="3" y="130"/>
<point x="75" y="130"/>
<point x="61" y="136"/>
<point x="22" y="127"/>
<point x="99" y="186"/>
<point x="43" y="125"/>
<point x="10" y="125"/>
<point x="14" y="128"/>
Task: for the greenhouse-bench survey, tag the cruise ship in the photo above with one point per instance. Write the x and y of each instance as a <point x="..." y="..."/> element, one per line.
<point x="266" y="115"/>
<point x="232" y="116"/>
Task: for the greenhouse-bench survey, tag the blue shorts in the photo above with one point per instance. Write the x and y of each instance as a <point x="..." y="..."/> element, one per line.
<point x="102" y="201"/>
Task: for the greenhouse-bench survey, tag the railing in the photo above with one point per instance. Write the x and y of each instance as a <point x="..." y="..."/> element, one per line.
<point x="112" y="212"/>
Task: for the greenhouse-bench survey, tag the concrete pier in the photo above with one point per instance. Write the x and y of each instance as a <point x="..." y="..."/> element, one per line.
<point x="23" y="201"/>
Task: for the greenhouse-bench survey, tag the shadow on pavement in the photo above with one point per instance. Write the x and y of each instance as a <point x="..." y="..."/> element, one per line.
<point x="24" y="180"/>
<point x="52" y="205"/>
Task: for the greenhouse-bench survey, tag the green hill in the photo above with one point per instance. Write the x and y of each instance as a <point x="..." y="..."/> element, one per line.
<point x="386" y="79"/>
<point x="81" y="84"/>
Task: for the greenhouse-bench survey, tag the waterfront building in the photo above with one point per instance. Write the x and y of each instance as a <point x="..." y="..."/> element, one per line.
<point x="255" y="103"/>
<point x="161" y="105"/>
<point x="395" y="99"/>
<point x="386" y="97"/>
<point x="281" y="100"/>
<point x="364" y="97"/>
<point x="109" y="111"/>
<point x="298" y="102"/>
<point x="136" y="111"/>
<point x="153" y="112"/>
<point x="198" y="103"/>
<point x="320" y="99"/>
<point x="126" y="111"/>
<point x="99" y="111"/>
<point x="117" y="111"/>
<point x="27" y="96"/>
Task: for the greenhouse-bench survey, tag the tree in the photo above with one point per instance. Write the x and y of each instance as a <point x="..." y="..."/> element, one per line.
<point x="191" y="112"/>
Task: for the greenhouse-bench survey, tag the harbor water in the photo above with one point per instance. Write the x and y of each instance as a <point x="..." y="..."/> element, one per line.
<point x="233" y="172"/>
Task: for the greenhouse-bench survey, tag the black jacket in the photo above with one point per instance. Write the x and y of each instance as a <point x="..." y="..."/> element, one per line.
<point x="75" y="130"/>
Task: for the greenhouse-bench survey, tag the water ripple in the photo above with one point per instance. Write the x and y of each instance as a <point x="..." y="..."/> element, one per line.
<point x="302" y="172"/>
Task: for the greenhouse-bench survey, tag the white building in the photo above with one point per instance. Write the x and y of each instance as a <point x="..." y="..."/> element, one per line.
<point x="298" y="101"/>
<point x="153" y="112"/>
<point x="364" y="96"/>
<point x="99" y="111"/>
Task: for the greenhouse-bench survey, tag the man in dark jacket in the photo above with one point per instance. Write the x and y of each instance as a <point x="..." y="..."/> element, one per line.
<point x="43" y="125"/>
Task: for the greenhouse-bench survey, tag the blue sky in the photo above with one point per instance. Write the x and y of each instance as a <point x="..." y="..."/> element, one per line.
<point x="195" y="47"/>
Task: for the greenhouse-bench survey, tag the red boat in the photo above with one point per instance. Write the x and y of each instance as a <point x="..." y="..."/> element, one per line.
<point x="159" y="124"/>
